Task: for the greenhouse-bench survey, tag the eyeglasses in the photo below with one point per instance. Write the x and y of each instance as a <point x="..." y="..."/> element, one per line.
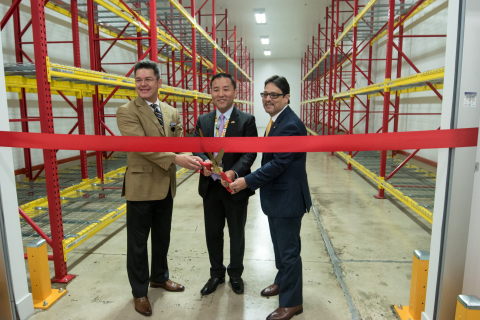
<point x="147" y="80"/>
<point x="272" y="95"/>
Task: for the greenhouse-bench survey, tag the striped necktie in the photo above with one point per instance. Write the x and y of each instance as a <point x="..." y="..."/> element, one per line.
<point x="158" y="113"/>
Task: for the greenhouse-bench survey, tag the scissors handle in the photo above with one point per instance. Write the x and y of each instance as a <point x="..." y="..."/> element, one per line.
<point x="206" y="165"/>
<point x="224" y="177"/>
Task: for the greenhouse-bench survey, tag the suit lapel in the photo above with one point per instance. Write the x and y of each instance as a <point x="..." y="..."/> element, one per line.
<point x="277" y="122"/>
<point x="232" y="122"/>
<point x="209" y="130"/>
<point x="148" y="112"/>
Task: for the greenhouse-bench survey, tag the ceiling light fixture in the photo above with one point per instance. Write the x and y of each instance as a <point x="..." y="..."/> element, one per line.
<point x="260" y="17"/>
<point x="267" y="52"/>
<point x="265" y="40"/>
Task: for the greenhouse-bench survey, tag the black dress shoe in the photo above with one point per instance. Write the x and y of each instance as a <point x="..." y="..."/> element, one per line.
<point x="237" y="285"/>
<point x="211" y="285"/>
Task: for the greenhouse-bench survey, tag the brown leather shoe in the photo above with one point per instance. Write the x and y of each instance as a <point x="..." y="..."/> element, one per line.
<point x="271" y="290"/>
<point x="285" y="313"/>
<point x="142" y="306"/>
<point x="168" y="285"/>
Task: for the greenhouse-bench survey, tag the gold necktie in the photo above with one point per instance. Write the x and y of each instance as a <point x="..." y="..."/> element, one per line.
<point x="268" y="127"/>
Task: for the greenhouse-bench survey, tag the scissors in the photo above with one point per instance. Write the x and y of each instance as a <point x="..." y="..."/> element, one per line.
<point x="215" y="163"/>
<point x="214" y="166"/>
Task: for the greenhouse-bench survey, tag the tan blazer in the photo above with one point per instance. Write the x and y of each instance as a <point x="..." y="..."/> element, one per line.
<point x="149" y="175"/>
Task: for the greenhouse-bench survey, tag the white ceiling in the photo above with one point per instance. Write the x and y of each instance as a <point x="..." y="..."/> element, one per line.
<point x="291" y="24"/>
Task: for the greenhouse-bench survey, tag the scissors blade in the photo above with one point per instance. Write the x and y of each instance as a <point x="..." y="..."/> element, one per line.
<point x="219" y="156"/>
<point x="210" y="155"/>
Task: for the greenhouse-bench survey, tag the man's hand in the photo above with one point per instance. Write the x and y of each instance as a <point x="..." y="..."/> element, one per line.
<point x="206" y="172"/>
<point x="188" y="162"/>
<point x="238" y="185"/>
<point x="231" y="175"/>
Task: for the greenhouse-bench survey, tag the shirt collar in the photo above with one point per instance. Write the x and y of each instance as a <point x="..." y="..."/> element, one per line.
<point x="227" y="114"/>
<point x="149" y="103"/>
<point x="274" y="118"/>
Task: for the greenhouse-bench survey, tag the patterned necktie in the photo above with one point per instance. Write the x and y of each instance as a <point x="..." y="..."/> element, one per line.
<point x="221" y="123"/>
<point x="158" y="113"/>
<point x="268" y="128"/>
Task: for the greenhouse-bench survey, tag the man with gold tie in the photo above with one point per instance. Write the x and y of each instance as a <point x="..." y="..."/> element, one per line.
<point x="218" y="204"/>
<point x="284" y="196"/>
<point x="150" y="185"/>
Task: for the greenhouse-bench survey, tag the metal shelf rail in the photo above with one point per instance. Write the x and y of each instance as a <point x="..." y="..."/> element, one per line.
<point x="329" y="73"/>
<point x="165" y="31"/>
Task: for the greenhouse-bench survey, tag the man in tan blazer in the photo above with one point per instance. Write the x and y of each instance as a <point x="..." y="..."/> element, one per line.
<point x="150" y="184"/>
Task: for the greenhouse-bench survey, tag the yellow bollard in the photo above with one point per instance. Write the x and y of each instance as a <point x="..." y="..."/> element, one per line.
<point x="418" y="288"/>
<point x="468" y="308"/>
<point x="43" y="294"/>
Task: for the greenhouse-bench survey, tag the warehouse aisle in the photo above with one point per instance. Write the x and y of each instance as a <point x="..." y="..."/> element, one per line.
<point x="369" y="241"/>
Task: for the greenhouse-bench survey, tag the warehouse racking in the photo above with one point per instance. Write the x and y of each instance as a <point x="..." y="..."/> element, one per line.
<point x="191" y="45"/>
<point x="331" y="69"/>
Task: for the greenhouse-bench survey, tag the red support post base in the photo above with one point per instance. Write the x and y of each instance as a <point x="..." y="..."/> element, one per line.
<point x="66" y="279"/>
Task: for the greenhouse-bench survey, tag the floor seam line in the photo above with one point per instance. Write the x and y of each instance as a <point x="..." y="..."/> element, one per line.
<point x="336" y="265"/>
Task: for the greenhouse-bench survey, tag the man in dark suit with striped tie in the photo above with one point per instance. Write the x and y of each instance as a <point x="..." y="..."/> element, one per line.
<point x="150" y="185"/>
<point x="218" y="204"/>
<point x="285" y="197"/>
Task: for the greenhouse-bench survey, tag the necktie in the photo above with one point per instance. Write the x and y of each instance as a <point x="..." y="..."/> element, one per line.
<point x="268" y="128"/>
<point x="221" y="124"/>
<point x="158" y="113"/>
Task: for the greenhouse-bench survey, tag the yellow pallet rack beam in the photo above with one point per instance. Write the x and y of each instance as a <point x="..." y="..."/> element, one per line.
<point x="417" y="81"/>
<point x="63" y="79"/>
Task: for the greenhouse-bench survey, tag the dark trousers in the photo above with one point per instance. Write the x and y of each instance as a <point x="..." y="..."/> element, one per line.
<point x="218" y="207"/>
<point x="143" y="216"/>
<point x="285" y="235"/>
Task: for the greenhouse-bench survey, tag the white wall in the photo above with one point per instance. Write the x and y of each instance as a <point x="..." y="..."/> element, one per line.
<point x="265" y="68"/>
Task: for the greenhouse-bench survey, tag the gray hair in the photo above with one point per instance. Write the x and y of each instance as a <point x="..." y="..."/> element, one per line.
<point x="148" y="64"/>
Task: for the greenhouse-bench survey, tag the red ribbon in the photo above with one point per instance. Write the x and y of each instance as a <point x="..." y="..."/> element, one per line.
<point x="434" y="139"/>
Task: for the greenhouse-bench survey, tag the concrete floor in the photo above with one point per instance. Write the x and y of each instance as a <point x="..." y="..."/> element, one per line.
<point x="356" y="252"/>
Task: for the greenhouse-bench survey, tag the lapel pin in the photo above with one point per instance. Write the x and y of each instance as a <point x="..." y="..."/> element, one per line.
<point x="232" y="122"/>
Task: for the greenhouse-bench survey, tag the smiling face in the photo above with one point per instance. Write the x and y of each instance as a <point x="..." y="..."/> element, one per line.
<point x="223" y="94"/>
<point x="274" y="106"/>
<point x="147" y="85"/>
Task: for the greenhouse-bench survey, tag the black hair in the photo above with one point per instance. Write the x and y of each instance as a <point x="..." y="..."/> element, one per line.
<point x="224" y="75"/>
<point x="281" y="83"/>
<point x="147" y="64"/>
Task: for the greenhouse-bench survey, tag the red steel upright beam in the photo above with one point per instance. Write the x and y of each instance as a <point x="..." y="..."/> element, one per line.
<point x="214" y="37"/>
<point x="386" y="97"/>
<point x="95" y="65"/>
<point x="352" y="84"/>
<point x="46" y="124"/>
<point x="77" y="63"/>
<point x="399" y="75"/>
<point x="330" y="74"/>
<point x="325" y="74"/>
<point x="194" y="62"/>
<point x="153" y="31"/>
<point x="23" y="99"/>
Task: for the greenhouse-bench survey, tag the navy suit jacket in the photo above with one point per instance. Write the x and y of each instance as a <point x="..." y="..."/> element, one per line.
<point x="241" y="124"/>
<point x="282" y="179"/>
